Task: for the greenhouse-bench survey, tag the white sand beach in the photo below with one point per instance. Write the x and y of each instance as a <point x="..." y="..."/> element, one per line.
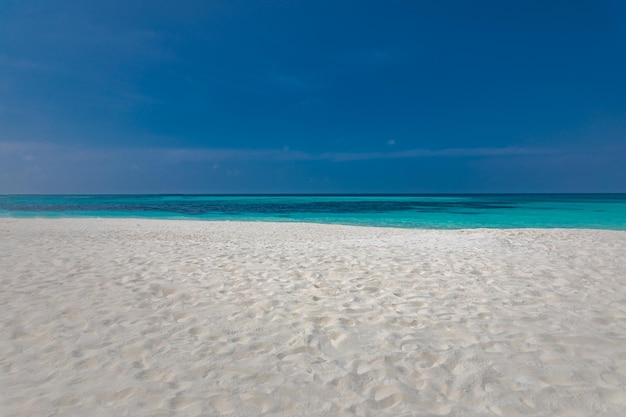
<point x="127" y="317"/>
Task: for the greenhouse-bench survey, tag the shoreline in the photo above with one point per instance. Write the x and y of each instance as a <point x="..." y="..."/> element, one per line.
<point x="197" y="317"/>
<point x="9" y="219"/>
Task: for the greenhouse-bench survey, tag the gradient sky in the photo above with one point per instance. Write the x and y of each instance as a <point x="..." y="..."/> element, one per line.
<point x="312" y="96"/>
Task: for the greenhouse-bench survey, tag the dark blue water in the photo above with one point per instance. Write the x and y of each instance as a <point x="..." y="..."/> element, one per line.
<point x="600" y="211"/>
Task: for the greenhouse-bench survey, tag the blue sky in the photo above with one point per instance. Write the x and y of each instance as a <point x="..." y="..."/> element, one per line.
<point x="312" y="96"/>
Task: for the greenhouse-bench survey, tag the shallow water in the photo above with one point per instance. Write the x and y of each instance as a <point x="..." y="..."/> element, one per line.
<point x="598" y="211"/>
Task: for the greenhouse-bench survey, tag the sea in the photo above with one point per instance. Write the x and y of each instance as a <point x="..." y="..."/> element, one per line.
<point x="450" y="211"/>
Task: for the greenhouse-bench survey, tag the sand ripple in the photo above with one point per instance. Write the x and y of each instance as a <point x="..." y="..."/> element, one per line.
<point x="157" y="318"/>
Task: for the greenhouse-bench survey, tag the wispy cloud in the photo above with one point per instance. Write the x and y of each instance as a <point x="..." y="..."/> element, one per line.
<point x="164" y="154"/>
<point x="290" y="82"/>
<point x="17" y="63"/>
<point x="286" y="154"/>
<point x="43" y="167"/>
<point x="439" y="153"/>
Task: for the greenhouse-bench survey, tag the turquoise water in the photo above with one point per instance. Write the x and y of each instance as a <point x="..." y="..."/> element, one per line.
<point x="598" y="211"/>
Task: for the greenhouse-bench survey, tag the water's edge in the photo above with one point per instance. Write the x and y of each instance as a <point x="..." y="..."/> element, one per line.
<point x="581" y="211"/>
